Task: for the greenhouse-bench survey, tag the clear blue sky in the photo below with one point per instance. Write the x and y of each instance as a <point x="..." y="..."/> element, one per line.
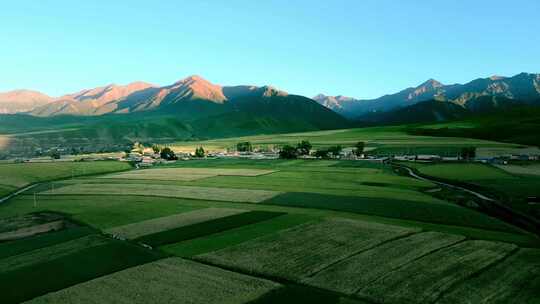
<point x="360" y="48"/>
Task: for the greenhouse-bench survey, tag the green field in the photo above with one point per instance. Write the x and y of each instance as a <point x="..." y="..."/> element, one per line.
<point x="512" y="186"/>
<point x="14" y="176"/>
<point x="465" y="172"/>
<point x="388" y="137"/>
<point x="269" y="231"/>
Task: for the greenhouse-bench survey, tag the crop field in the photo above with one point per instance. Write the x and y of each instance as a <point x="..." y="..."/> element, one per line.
<point x="325" y="182"/>
<point x="12" y="248"/>
<point x="99" y="211"/>
<point x="172" y="280"/>
<point x="411" y="210"/>
<point x="51" y="252"/>
<point x="204" y="193"/>
<point x="236" y="236"/>
<point x="374" y="263"/>
<point x="527" y="170"/>
<point x="5" y="190"/>
<point x="20" y="175"/>
<point x="205" y="228"/>
<point x="392" y="136"/>
<point x="28" y="220"/>
<point x="262" y="231"/>
<point x="465" y="172"/>
<point x="324" y="243"/>
<point x="518" y="281"/>
<point x="28" y="282"/>
<point x="186" y="174"/>
<point x="139" y="229"/>
<point x="426" y="279"/>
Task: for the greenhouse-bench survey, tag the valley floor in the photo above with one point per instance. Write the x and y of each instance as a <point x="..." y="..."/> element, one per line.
<point x="248" y="231"/>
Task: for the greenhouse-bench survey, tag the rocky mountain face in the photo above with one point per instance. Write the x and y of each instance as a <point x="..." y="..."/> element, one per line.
<point x="140" y="96"/>
<point x="22" y="101"/>
<point x="523" y="87"/>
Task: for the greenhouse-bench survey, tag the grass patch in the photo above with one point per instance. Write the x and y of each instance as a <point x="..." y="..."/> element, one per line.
<point x="235" y="236"/>
<point x="206" y="228"/>
<point x="32" y="281"/>
<point x="303" y="250"/>
<point x="444" y="213"/>
<point x="43" y="240"/>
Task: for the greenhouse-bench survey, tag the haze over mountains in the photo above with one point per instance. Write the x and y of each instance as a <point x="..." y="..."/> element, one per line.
<point x="523" y="87"/>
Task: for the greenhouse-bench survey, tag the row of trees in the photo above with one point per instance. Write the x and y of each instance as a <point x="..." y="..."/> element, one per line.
<point x="304" y="148"/>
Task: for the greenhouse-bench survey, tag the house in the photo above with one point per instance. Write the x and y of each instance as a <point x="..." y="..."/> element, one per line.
<point x="428" y="158"/>
<point x="147" y="161"/>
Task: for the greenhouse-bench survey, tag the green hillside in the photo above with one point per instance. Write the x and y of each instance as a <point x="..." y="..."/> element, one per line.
<point x="188" y="120"/>
<point x="519" y="125"/>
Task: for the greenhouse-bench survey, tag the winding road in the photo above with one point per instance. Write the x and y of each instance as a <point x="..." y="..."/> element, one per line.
<point x="478" y="195"/>
<point x="489" y="205"/>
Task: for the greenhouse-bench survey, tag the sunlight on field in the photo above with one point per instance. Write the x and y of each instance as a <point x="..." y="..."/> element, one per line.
<point x="4" y="142"/>
<point x="186" y="174"/>
<point x="527" y="170"/>
<point x="374" y="137"/>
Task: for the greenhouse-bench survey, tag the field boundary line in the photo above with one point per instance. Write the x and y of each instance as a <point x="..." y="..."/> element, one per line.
<point x="477" y="273"/>
<point x="398" y="237"/>
<point x="285" y="282"/>
<point x="411" y="261"/>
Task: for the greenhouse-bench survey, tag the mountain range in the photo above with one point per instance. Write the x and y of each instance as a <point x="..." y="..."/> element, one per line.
<point x="523" y="87"/>
<point x="142" y="96"/>
<point x="112" y="116"/>
<point x="193" y="108"/>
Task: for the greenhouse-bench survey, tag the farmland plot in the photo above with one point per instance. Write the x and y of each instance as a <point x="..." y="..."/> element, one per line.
<point x="52" y="252"/>
<point x="527" y="170"/>
<point x="514" y="280"/>
<point x="43" y="240"/>
<point x="186" y="174"/>
<point x="427" y="278"/>
<point x="28" y="220"/>
<point x="351" y="274"/>
<point x="34" y="280"/>
<point x="172" y="280"/>
<point x="202" y="193"/>
<point x="236" y="236"/>
<point x="135" y="230"/>
<point x="20" y="175"/>
<point x="206" y="228"/>
<point x="306" y="249"/>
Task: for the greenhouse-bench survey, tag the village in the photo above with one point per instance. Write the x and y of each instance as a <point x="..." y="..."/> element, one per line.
<point x="143" y="156"/>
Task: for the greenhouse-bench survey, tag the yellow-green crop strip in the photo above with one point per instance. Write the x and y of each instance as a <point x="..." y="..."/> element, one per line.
<point x="135" y="230"/>
<point x="171" y="280"/>
<point x="192" y="192"/>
